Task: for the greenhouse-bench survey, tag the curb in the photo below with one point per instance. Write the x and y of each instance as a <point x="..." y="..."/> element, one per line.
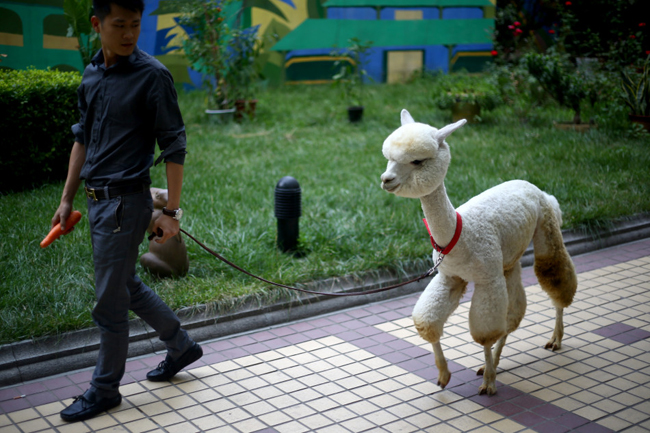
<point x="33" y="359"/>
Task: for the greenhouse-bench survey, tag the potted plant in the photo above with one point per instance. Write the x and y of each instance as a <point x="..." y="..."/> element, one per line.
<point x="350" y="75"/>
<point x="244" y="47"/>
<point x="636" y="94"/>
<point x="206" y="47"/>
<point x="465" y="95"/>
<point x="563" y="82"/>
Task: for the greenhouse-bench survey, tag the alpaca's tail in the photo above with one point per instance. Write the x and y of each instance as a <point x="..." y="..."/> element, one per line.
<point x="553" y="266"/>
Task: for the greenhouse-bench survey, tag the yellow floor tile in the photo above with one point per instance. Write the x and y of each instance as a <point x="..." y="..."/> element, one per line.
<point x="614" y="423"/>
<point x="507" y="426"/>
<point x="357" y="424"/>
<point x="23" y="415"/>
<point x="292" y="427"/>
<point x="249" y="425"/>
<point x="142" y="425"/>
<point x="274" y="418"/>
<point x="316" y="421"/>
<point x="322" y="404"/>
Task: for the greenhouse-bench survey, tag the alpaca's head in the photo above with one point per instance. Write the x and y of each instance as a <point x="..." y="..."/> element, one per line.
<point x="418" y="157"/>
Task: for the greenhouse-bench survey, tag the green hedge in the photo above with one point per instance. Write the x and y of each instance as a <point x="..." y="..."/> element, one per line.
<point x="37" y="110"/>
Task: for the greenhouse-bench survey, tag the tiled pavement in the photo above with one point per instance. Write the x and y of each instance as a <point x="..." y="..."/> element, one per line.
<point x="366" y="370"/>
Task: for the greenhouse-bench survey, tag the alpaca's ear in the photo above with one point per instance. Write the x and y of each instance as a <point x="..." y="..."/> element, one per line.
<point x="406" y="117"/>
<point x="441" y="134"/>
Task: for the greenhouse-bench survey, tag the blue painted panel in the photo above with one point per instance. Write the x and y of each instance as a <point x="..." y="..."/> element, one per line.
<point x="436" y="58"/>
<point x="352" y="13"/>
<point x="149" y="26"/>
<point x="472" y="47"/>
<point x="462" y="13"/>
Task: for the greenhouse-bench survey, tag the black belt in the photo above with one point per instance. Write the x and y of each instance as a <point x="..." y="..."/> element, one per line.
<point x="114" y="191"/>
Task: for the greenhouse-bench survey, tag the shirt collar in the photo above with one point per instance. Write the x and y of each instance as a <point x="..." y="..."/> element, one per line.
<point x="98" y="59"/>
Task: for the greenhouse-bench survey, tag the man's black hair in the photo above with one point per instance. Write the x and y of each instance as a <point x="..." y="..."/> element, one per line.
<point x="101" y="8"/>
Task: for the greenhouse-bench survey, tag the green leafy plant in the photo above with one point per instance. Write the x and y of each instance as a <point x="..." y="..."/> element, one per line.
<point x="206" y="47"/>
<point x="350" y="70"/>
<point x="462" y="88"/>
<point x="78" y="13"/>
<point x="561" y="80"/>
<point x="38" y="109"/>
<point x="518" y="89"/>
<point x="636" y="90"/>
<point x="244" y="48"/>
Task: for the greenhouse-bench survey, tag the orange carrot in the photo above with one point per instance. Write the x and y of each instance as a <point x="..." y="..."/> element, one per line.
<point x="56" y="231"/>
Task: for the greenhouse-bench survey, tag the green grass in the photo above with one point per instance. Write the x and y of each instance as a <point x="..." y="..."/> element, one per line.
<point x="349" y="225"/>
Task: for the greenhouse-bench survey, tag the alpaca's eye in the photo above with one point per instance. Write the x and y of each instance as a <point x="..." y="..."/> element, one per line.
<point x="417" y="162"/>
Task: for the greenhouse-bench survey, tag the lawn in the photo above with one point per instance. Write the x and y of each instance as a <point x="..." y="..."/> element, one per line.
<point x="348" y="224"/>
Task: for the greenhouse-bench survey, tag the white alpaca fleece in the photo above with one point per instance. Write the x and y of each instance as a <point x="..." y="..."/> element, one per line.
<point x="497" y="227"/>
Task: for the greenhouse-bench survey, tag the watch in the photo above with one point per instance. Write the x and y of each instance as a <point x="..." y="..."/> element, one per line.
<point x="177" y="214"/>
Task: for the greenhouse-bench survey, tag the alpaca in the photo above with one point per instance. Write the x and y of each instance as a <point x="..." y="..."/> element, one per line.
<point x="495" y="229"/>
<point x="168" y="259"/>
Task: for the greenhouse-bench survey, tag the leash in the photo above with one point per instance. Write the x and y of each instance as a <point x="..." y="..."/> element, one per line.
<point x="382" y="289"/>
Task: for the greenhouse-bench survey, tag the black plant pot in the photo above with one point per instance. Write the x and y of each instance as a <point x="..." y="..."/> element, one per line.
<point x="355" y="114"/>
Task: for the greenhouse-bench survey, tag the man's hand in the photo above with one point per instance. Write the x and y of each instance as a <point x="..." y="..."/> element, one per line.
<point x="169" y="226"/>
<point x="61" y="215"/>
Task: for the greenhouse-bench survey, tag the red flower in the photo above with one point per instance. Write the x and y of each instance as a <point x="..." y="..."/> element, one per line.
<point x="568" y="3"/>
<point x="551" y="31"/>
<point x="641" y="24"/>
<point x="648" y="52"/>
<point x="517" y="23"/>
<point x="632" y="37"/>
<point x="518" y="31"/>
<point x="494" y="52"/>
<point x="511" y="27"/>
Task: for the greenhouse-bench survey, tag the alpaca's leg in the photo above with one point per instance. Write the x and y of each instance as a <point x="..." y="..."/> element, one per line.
<point x="444" y="375"/>
<point x="488" y="325"/>
<point x="489" y="385"/>
<point x="496" y="354"/>
<point x="555" y="343"/>
<point x="554" y="269"/>
<point x="516" y="310"/>
<point x="437" y="302"/>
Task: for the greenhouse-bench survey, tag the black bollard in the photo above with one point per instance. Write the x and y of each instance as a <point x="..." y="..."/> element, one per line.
<point x="287" y="212"/>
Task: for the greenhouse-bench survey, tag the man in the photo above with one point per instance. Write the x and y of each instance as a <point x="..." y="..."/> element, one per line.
<point x="127" y="102"/>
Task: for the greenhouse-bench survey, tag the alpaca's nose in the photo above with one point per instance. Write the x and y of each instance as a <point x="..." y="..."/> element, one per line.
<point x="387" y="177"/>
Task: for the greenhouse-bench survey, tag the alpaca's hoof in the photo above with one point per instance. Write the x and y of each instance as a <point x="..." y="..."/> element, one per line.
<point x="487" y="389"/>
<point x="443" y="379"/>
<point x="553" y="344"/>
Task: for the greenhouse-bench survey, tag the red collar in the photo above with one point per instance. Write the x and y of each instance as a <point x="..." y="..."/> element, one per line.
<point x="452" y="244"/>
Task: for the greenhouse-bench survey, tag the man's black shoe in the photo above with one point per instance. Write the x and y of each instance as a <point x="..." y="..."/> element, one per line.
<point x="88" y="405"/>
<point x="168" y="368"/>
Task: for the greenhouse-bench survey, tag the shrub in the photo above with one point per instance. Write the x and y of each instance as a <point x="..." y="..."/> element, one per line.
<point x="465" y="88"/>
<point x="37" y="109"/>
<point x="568" y="86"/>
<point x="519" y="89"/>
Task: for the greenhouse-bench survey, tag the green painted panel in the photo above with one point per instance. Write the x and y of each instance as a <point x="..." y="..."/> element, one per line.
<point x="320" y="33"/>
<point x="32" y="54"/>
<point x="55" y="3"/>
